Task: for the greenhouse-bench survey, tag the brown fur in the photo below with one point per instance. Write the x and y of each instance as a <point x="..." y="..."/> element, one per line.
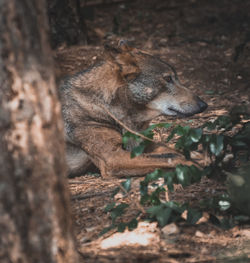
<point x="134" y="87"/>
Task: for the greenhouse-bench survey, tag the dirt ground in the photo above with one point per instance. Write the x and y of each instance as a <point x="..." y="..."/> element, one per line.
<point x="208" y="42"/>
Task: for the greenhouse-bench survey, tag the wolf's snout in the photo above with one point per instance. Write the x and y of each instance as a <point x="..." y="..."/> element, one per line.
<point x="202" y="105"/>
<point x="187" y="107"/>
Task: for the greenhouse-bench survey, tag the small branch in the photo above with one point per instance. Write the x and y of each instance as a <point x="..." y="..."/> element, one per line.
<point x="125" y="126"/>
<point x="138" y="205"/>
<point x="90" y="195"/>
<point x="140" y="135"/>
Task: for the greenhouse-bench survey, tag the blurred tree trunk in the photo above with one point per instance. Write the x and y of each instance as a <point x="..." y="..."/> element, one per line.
<point x="67" y="24"/>
<point x="35" y="222"/>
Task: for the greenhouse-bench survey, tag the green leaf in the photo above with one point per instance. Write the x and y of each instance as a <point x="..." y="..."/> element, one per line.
<point x="216" y="144"/>
<point x="154" y="210"/>
<point x="226" y="223"/>
<point x="195" y="173"/>
<point x="144" y="199"/>
<point x="152" y="176"/>
<point x="138" y="150"/>
<point x="143" y="188"/>
<point x="127" y="184"/>
<point x="223" y="121"/>
<point x="207" y="171"/>
<point x="131" y="135"/>
<point x="154" y="197"/>
<point x="149" y="131"/>
<point x="186" y="154"/>
<point x="209" y="125"/>
<point x="214" y="220"/>
<point x="164" y="125"/>
<point x="193" y="216"/>
<point x="106" y="229"/>
<point x="171" y="136"/>
<point x="128" y="137"/>
<point x="182" y="173"/>
<point x="224" y="205"/>
<point x="109" y="207"/>
<point x="195" y="134"/>
<point x="238" y="144"/>
<point x="163" y="217"/>
<point x="176" y="207"/>
<point x="242" y="138"/>
<point x="132" y="224"/>
<point x="242" y="218"/>
<point x="121" y="227"/>
<point x="125" y="140"/>
<point x="206" y="139"/>
<point x="161" y="212"/>
<point x="116" y="190"/>
<point x="180" y="144"/>
<point x="183" y="130"/>
<point x="169" y="180"/>
<point x="210" y="92"/>
<point x="121" y="207"/>
<point x="185" y="175"/>
<point x="159" y="125"/>
<point x="118" y="211"/>
<point x="179" y="130"/>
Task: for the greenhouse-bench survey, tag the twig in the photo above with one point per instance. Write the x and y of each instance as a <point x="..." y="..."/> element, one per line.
<point x="76" y="182"/>
<point x="90" y="195"/>
<point x="140" y="135"/>
<point x="139" y="206"/>
<point x="125" y="126"/>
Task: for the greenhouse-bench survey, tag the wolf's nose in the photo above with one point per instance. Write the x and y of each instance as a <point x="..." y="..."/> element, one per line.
<point x="202" y="104"/>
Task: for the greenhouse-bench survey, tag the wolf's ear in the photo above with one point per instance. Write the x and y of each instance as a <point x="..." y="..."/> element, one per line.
<point x="124" y="45"/>
<point x="113" y="48"/>
<point x="123" y="56"/>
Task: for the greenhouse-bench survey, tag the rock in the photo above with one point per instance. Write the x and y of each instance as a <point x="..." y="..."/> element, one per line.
<point x="171" y="229"/>
<point x="199" y="234"/>
<point x="144" y="235"/>
<point x="245" y="233"/>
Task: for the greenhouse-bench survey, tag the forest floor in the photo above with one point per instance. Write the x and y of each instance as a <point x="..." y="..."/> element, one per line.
<point x="208" y="42"/>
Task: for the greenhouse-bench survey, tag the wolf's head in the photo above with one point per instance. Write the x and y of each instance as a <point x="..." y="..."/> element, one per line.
<point x="154" y="83"/>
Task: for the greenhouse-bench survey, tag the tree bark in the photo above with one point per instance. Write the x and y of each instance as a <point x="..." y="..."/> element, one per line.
<point x="35" y="222"/>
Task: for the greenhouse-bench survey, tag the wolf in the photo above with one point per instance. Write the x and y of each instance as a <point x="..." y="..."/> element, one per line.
<point x="128" y="89"/>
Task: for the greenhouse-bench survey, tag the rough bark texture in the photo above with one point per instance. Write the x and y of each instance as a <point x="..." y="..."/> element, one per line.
<point x="35" y="223"/>
<point x="66" y="21"/>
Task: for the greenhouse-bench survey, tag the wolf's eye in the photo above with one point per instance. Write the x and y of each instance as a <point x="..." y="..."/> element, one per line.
<point x="168" y="78"/>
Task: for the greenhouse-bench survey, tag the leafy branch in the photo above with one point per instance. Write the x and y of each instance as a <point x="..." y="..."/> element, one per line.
<point x="215" y="139"/>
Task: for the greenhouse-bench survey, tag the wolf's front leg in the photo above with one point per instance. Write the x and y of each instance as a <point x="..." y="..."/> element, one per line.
<point x="104" y="147"/>
<point x="121" y="164"/>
